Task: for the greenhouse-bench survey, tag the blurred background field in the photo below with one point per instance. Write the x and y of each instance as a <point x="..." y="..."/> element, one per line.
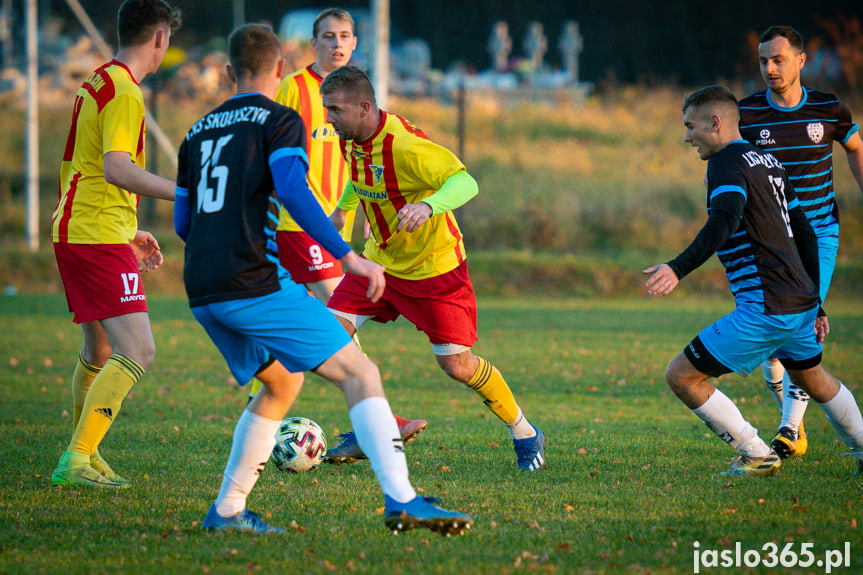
<point x="584" y="176"/>
<point x="576" y="196"/>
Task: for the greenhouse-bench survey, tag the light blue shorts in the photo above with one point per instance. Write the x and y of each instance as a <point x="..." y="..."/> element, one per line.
<point x="289" y="325"/>
<point x="828" y="248"/>
<point x="743" y="339"/>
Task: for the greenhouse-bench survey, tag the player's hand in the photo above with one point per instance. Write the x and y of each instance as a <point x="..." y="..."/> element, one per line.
<point x="822" y="328"/>
<point x="367" y="269"/>
<point x="663" y="280"/>
<point x="147" y="251"/>
<point x="412" y="216"/>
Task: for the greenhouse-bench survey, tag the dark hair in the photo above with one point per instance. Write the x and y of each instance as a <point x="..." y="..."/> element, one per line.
<point x="794" y="37"/>
<point x="336" y="13"/>
<point x="253" y="48"/>
<point x="718" y="95"/>
<point x="350" y="79"/>
<point x="137" y="20"/>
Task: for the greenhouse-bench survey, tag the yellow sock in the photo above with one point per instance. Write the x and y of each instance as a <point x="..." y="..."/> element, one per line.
<point x="103" y="402"/>
<point x="82" y="379"/>
<point x="490" y="385"/>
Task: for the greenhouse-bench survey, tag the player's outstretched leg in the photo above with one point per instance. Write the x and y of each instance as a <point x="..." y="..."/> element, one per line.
<point x="755" y="457"/>
<point x="844" y="415"/>
<point x="528" y="440"/>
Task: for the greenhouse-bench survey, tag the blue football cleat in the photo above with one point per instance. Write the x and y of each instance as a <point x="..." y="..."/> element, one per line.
<point x="531" y="451"/>
<point x="421" y="512"/>
<point x="246" y="521"/>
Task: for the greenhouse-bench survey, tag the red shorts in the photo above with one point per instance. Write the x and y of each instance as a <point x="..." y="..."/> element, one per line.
<point x="443" y="307"/>
<point x="101" y="281"/>
<point x="305" y="259"/>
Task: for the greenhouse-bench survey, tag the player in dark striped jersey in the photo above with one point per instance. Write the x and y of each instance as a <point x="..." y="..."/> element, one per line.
<point x="768" y="248"/>
<point x="235" y="165"/>
<point x="798" y="126"/>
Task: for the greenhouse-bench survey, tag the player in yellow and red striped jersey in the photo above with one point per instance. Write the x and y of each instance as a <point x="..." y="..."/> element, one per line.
<point x="98" y="246"/>
<point x="334" y="41"/>
<point x="407" y="187"/>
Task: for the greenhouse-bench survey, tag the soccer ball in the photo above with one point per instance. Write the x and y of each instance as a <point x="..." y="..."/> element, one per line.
<point x="300" y="445"/>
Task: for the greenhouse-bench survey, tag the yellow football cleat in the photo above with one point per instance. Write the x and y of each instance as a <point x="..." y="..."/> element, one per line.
<point x="758" y="466"/>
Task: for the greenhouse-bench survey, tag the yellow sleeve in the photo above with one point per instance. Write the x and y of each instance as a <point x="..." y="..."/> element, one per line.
<point x="121" y="120"/>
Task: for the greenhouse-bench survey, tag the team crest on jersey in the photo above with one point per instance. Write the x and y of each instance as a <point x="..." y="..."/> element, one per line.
<point x="815" y="131"/>
<point x="377" y="172"/>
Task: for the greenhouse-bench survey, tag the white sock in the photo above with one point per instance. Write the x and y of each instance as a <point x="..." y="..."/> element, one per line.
<point x="794" y="406"/>
<point x="254" y="439"/>
<point x="844" y="414"/>
<point x="520" y="428"/>
<point x="379" y="438"/>
<point x="723" y="418"/>
<point x="774" y="375"/>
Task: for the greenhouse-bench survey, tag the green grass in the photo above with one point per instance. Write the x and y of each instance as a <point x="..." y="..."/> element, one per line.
<point x="631" y="484"/>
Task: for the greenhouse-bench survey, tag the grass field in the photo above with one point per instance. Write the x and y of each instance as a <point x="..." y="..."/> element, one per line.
<point x="630" y="487"/>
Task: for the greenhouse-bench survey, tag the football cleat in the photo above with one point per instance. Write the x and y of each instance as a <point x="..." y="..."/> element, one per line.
<point x="348" y="451"/>
<point x="420" y="512"/>
<point x="530" y="451"/>
<point x="81" y="475"/>
<point x="245" y="521"/>
<point x="788" y="444"/>
<point x="412" y="428"/>
<point x="858" y="453"/>
<point x="802" y="441"/>
<point x="758" y="466"/>
<point x="100" y="465"/>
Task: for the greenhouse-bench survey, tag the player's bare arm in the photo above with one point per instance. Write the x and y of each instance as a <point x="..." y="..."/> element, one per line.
<point x="123" y="173"/>
<point x="854" y="151"/>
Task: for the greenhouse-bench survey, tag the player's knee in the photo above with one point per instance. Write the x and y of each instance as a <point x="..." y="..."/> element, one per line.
<point x="456" y="368"/>
<point x="145" y="354"/>
<point x="673" y="377"/>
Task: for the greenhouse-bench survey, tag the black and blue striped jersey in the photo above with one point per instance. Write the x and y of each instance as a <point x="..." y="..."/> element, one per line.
<point x="802" y="139"/>
<point x="224" y="167"/>
<point x="750" y="228"/>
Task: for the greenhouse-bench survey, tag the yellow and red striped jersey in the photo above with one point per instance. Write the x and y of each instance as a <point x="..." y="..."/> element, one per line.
<point x="108" y="116"/>
<point x="327" y="170"/>
<point x="399" y="165"/>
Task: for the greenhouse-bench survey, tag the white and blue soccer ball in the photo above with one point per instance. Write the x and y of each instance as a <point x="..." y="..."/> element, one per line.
<point x="300" y="445"/>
